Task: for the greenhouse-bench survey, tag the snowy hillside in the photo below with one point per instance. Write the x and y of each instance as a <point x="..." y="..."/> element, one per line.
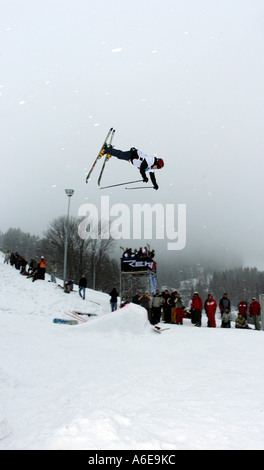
<point x="113" y="383"/>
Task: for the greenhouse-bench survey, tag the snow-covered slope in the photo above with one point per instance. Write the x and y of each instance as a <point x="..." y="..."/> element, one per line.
<point x="112" y="383"/>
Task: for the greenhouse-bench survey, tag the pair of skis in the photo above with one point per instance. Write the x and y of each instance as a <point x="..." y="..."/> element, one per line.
<point x="76" y="318"/>
<point x="79" y="315"/>
<point x="108" y="141"/>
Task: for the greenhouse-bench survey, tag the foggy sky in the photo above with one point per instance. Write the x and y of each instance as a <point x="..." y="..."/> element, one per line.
<point x="178" y="78"/>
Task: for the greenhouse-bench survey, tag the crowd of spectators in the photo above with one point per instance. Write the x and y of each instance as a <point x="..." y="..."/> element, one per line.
<point x="169" y="307"/>
<point x="166" y="306"/>
<point x="144" y="252"/>
<point x="33" y="269"/>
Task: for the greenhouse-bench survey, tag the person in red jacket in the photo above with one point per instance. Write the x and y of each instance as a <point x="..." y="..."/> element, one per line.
<point x="196" y="309"/>
<point x="243" y="308"/>
<point x="210" y="307"/>
<point x="254" y="312"/>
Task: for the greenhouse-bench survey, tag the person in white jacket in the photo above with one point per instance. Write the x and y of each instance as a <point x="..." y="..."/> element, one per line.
<point x="145" y="163"/>
<point x="7" y="257"/>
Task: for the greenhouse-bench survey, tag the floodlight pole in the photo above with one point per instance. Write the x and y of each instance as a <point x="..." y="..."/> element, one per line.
<point x="69" y="193"/>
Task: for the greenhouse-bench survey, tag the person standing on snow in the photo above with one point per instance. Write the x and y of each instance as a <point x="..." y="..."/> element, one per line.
<point x="179" y="309"/>
<point x="7" y="257"/>
<point x="196" y="309"/>
<point x="243" y="308"/>
<point x="254" y="312"/>
<point x="145" y="163"/>
<point x="156" y="307"/>
<point x="166" y="306"/>
<point x="224" y="303"/>
<point x="210" y="307"/>
<point x="42" y="268"/>
<point x="82" y="286"/>
<point x="144" y="301"/>
<point x="113" y="301"/>
<point x="53" y="270"/>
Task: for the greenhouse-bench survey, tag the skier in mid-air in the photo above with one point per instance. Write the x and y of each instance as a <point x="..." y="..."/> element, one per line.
<point x="145" y="163"/>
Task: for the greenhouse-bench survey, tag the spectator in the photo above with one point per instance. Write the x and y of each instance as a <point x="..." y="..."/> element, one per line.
<point x="224" y="303"/>
<point x="127" y="253"/>
<point x="7" y="257"/>
<point x="241" y="321"/>
<point x="23" y="265"/>
<point x="134" y="255"/>
<point x="12" y="259"/>
<point x="172" y="305"/>
<point x="17" y="260"/>
<point x="210" y="307"/>
<point x="113" y="301"/>
<point x="243" y="308"/>
<point x="196" y="309"/>
<point x="144" y="252"/>
<point x="33" y="268"/>
<point x="152" y="254"/>
<point x="53" y="270"/>
<point x="145" y="301"/>
<point x="68" y="286"/>
<point x="254" y="312"/>
<point x="226" y="319"/>
<point x="82" y="286"/>
<point x="166" y="306"/>
<point x="135" y="298"/>
<point x="156" y="308"/>
<point x="42" y="268"/>
<point x="179" y="309"/>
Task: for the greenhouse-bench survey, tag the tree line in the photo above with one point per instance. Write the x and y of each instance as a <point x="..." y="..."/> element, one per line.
<point x="238" y="282"/>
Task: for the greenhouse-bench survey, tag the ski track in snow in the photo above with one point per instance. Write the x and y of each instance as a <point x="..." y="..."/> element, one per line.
<point x="112" y="383"/>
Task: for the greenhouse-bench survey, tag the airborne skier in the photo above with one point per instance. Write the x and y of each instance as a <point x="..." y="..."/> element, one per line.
<point x="145" y="163"/>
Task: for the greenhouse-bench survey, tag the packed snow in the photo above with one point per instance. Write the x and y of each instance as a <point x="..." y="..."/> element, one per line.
<point x="112" y="383"/>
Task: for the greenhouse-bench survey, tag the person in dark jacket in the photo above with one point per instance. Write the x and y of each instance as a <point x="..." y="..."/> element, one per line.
<point x="135" y="298"/>
<point x="156" y="308"/>
<point x="166" y="306"/>
<point x="224" y="303"/>
<point x="113" y="301"/>
<point x="23" y="265"/>
<point x="82" y="286"/>
<point x="42" y="268"/>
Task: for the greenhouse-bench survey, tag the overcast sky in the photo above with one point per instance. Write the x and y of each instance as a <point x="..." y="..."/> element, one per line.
<point x="182" y="79"/>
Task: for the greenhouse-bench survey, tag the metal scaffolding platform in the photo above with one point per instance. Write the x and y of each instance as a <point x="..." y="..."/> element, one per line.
<point x="136" y="276"/>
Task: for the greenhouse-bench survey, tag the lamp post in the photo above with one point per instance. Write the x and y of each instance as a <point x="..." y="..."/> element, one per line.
<point x="69" y="193"/>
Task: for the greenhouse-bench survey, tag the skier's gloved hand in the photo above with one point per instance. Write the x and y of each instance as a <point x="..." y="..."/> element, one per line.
<point x="156" y="186"/>
<point x="145" y="179"/>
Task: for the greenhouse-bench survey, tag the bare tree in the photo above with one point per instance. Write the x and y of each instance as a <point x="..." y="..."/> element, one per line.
<point x="88" y="256"/>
